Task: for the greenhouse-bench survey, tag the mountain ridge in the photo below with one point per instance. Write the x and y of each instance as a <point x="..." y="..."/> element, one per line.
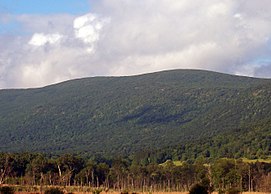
<point x="137" y="75"/>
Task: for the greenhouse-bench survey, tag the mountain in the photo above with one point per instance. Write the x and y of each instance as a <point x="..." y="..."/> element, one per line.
<point x="124" y="115"/>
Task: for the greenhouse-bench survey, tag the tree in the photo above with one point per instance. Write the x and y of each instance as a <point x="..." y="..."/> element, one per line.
<point x="225" y="174"/>
<point x="7" y="163"/>
<point x="119" y="174"/>
<point x="37" y="168"/>
<point x="87" y="174"/>
<point x="102" y="174"/>
<point x="68" y="166"/>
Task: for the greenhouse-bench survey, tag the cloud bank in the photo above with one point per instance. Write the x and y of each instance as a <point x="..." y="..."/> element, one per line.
<point x="127" y="37"/>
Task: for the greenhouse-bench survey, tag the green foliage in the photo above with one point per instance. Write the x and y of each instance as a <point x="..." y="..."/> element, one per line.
<point x="198" y="189"/>
<point x="69" y="171"/>
<point x="199" y="113"/>
<point x="54" y="191"/>
<point x="6" y="190"/>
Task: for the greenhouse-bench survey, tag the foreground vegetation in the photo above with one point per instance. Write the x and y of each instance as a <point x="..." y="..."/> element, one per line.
<point x="40" y="171"/>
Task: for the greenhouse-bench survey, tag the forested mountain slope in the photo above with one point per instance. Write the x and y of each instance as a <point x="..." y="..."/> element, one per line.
<point x="123" y="115"/>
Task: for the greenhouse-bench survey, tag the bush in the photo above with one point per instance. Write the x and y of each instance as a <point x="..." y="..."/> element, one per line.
<point x="54" y="191"/>
<point x="96" y="191"/>
<point x="221" y="191"/>
<point x="198" y="189"/>
<point x="6" y="190"/>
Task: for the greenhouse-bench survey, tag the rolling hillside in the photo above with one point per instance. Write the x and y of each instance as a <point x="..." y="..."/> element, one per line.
<point x="123" y="115"/>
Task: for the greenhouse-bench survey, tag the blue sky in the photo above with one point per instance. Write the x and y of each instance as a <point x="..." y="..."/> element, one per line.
<point x="44" y="6"/>
<point x="38" y="7"/>
<point x="48" y="41"/>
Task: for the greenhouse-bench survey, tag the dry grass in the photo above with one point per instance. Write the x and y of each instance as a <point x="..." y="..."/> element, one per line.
<point x="175" y="193"/>
<point x="254" y="193"/>
<point x="115" y="192"/>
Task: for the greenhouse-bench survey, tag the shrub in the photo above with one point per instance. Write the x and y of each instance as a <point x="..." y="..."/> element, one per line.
<point x="6" y="190"/>
<point x="221" y="191"/>
<point x="96" y="191"/>
<point x="54" y="191"/>
<point x="198" y="189"/>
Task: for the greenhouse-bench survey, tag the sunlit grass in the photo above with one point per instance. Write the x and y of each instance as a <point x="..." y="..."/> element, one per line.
<point x="256" y="160"/>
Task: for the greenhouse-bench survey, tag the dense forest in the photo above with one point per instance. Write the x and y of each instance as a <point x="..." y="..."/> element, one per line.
<point x="127" y="174"/>
<point x="181" y="114"/>
<point x="165" y="131"/>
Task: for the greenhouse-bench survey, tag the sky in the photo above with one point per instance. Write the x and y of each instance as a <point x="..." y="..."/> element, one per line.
<point x="46" y="42"/>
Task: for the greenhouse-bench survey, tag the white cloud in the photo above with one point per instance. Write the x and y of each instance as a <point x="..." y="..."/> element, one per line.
<point x="182" y="34"/>
<point x="88" y="27"/>
<point x="81" y="21"/>
<point x="126" y="37"/>
<point x="219" y="9"/>
<point x="40" y="39"/>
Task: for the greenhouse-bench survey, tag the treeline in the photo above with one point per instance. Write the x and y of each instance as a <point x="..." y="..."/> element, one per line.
<point x="126" y="174"/>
